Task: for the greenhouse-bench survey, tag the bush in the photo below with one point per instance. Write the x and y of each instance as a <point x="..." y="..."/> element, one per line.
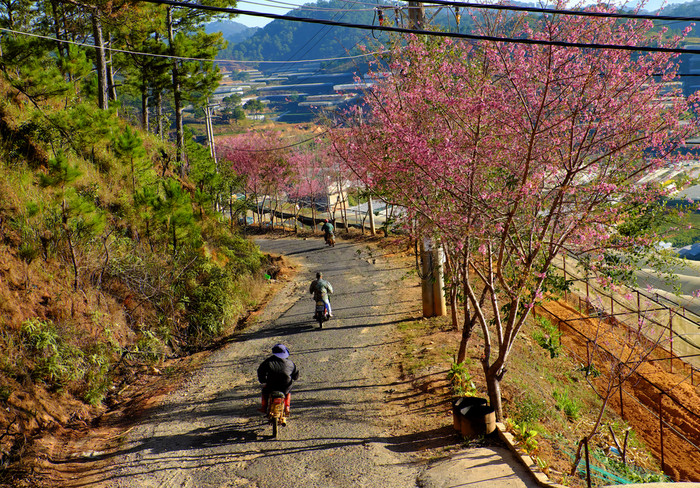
<point x="548" y="337"/>
<point x="461" y="380"/>
<point x="208" y="300"/>
<point x="55" y="361"/>
<point x="569" y="406"/>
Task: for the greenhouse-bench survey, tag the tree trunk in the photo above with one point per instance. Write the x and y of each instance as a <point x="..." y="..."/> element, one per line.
<point x="159" y="114"/>
<point x="100" y="61"/>
<point x="61" y="47"/>
<point x="493" y="377"/>
<point x="177" y="98"/>
<point x="144" y="111"/>
<point x="111" y="85"/>
<point x="370" y="211"/>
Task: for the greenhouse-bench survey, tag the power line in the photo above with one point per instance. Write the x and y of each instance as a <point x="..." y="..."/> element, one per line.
<point x="457" y="35"/>
<point x="182" y="58"/>
<point x="580" y="13"/>
<point x="309" y="8"/>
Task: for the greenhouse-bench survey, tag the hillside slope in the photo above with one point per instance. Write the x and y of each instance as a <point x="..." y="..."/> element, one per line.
<point x="112" y="266"/>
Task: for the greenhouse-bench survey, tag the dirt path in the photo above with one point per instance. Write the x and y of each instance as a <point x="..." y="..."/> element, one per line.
<point x="210" y="434"/>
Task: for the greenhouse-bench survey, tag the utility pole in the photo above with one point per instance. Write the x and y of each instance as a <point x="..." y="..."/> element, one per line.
<point x="210" y="133"/>
<point x="432" y="280"/>
<point x="370" y="211"/>
<point x="416" y="15"/>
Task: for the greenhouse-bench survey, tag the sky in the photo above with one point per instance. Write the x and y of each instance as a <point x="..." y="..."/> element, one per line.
<point x="265" y="6"/>
<point x="274" y="7"/>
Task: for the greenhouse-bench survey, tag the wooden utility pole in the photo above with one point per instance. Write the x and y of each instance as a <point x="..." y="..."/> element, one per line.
<point x="416" y="15"/>
<point x="370" y="211"/>
<point x="432" y="280"/>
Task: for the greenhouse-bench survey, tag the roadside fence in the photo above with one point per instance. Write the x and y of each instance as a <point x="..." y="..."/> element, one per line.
<point x="675" y="328"/>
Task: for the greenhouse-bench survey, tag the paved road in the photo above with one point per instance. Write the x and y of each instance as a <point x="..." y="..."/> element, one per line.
<point x="209" y="434"/>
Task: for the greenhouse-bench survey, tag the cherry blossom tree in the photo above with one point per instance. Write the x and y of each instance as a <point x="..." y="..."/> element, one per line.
<point x="510" y="153"/>
<point x="262" y="165"/>
<point x="309" y="180"/>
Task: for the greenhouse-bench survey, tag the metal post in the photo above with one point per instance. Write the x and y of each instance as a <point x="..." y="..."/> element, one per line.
<point x="670" y="336"/>
<point x="661" y="430"/>
<point x="563" y="260"/>
<point x="439" y="303"/>
<point x="416" y="15"/>
<point x="612" y="307"/>
<point x="639" y="309"/>
<point x="622" y="406"/>
<point x="588" y="463"/>
<point x="370" y="209"/>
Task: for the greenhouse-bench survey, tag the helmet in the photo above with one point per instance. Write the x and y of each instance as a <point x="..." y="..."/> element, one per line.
<point x="325" y="220"/>
<point x="280" y="350"/>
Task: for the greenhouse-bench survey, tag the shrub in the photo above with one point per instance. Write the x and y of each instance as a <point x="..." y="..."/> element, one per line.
<point x="461" y="380"/>
<point x="55" y="361"/>
<point x="548" y="337"/>
<point x="529" y="410"/>
<point x="569" y="406"/>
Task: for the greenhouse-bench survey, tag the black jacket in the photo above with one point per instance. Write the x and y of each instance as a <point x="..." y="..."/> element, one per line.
<point x="277" y="374"/>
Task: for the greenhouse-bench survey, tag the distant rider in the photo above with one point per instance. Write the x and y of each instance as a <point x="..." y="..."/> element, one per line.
<point x="327" y="229"/>
<point x="277" y="373"/>
<point x="321" y="289"/>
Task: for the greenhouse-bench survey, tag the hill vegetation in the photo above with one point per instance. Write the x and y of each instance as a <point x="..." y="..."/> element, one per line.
<point x="113" y="259"/>
<point x="287" y="41"/>
<point x="282" y="40"/>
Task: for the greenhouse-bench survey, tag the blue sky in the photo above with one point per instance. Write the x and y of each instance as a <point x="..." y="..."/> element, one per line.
<point x="269" y="7"/>
<point x="266" y="7"/>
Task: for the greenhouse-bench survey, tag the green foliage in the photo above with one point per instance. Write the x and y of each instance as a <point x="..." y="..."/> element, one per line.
<point x="129" y="147"/>
<point x="150" y="344"/>
<point x="173" y="209"/>
<point x="254" y="105"/>
<point x="633" y="474"/>
<point x="525" y="436"/>
<point x="461" y="380"/>
<point x="529" y="410"/>
<point x="60" y="173"/>
<point x="28" y="65"/>
<point x="98" y="375"/>
<point x="548" y="337"/>
<point x="207" y="298"/>
<point x="5" y="392"/>
<point x="589" y="370"/>
<point x="569" y="406"/>
<point x="56" y="362"/>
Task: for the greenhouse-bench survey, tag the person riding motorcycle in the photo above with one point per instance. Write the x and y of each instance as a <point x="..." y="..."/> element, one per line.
<point x="277" y="373"/>
<point x="327" y="229"/>
<point x="321" y="289"/>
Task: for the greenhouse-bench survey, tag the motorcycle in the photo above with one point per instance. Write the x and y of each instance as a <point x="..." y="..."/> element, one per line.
<point x="275" y="411"/>
<point x="330" y="240"/>
<point x="321" y="314"/>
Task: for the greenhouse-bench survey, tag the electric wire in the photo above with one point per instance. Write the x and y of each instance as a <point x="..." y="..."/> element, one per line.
<point x="306" y="8"/>
<point x="184" y="58"/>
<point x="554" y="11"/>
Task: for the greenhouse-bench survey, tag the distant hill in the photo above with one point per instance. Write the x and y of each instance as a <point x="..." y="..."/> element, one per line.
<point x="282" y="40"/>
<point x="287" y="40"/>
<point x="233" y="32"/>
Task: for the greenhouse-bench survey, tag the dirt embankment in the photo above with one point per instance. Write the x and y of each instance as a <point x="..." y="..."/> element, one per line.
<point x="653" y="388"/>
